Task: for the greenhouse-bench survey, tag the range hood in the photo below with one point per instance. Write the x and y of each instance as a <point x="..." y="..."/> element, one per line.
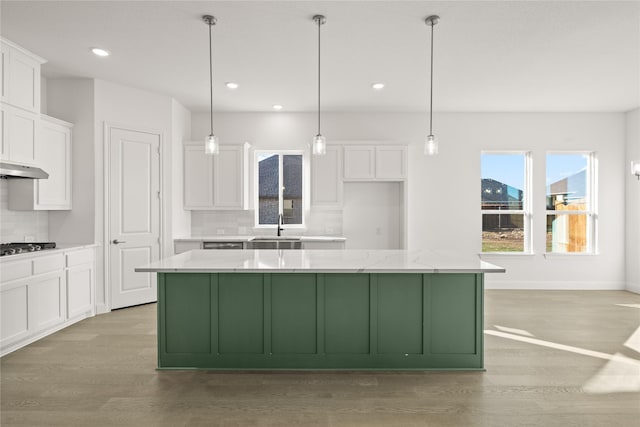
<point x="10" y="170"/>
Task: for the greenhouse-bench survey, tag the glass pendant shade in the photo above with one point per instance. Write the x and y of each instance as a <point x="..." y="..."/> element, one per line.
<point x="211" y="145"/>
<point x="319" y="145"/>
<point x="431" y="146"/>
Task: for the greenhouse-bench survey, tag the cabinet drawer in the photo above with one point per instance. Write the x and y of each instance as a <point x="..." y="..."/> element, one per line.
<point x="79" y="257"/>
<point x="48" y="264"/>
<point x="15" y="270"/>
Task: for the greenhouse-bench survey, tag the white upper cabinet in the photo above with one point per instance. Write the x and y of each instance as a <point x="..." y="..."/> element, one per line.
<point x="20" y="103"/>
<point x="20" y="130"/>
<point x="359" y="162"/>
<point x="375" y="162"/>
<point x="198" y="178"/>
<point x="391" y="162"/>
<point x="53" y="154"/>
<point x="326" y="179"/>
<point x="20" y="77"/>
<point x="215" y="182"/>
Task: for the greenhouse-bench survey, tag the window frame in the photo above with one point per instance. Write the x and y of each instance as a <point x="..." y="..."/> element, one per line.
<point x="256" y="197"/>
<point x="527" y="199"/>
<point x="591" y="201"/>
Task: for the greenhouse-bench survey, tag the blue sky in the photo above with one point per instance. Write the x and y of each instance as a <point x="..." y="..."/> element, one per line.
<point x="563" y="165"/>
<point x="506" y="168"/>
<point x="509" y="168"/>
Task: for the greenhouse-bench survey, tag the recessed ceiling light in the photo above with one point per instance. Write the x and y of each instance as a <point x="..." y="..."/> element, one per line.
<point x="100" y="52"/>
<point x="277" y="107"/>
<point x="232" y="85"/>
<point x="377" y="86"/>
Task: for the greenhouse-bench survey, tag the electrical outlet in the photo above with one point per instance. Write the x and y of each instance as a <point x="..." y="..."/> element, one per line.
<point x="29" y="239"/>
<point x="220" y="231"/>
<point x="328" y="230"/>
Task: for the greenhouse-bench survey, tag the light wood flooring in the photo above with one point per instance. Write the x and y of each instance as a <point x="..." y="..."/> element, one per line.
<point x="101" y="372"/>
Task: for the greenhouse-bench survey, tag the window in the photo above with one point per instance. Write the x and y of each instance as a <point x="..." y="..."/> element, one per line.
<point x="506" y="215"/>
<point x="570" y="203"/>
<point x="279" y="188"/>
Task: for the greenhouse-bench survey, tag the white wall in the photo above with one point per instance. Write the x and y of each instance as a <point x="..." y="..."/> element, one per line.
<point x="180" y="131"/>
<point x="444" y="191"/>
<point x="633" y="202"/>
<point x="372" y="215"/>
<point x="73" y="100"/>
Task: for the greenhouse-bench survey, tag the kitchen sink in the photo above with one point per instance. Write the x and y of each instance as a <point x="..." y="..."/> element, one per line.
<point x="273" y="238"/>
<point x="275" y="242"/>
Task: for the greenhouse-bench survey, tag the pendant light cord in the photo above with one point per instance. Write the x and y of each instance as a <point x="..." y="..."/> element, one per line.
<point x="319" y="24"/>
<point x="211" y="76"/>
<point x="431" y="88"/>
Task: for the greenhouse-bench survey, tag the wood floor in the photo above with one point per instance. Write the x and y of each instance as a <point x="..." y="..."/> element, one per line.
<point x="573" y="369"/>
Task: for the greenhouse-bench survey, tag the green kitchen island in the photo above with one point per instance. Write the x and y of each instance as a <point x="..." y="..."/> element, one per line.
<point x="320" y="309"/>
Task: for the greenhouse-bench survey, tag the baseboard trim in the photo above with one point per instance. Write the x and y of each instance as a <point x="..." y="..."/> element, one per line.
<point x="555" y="285"/>
<point x="102" y="309"/>
<point x="633" y="287"/>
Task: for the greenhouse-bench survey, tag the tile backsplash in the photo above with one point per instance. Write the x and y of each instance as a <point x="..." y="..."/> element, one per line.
<point x="15" y="226"/>
<point x="241" y="222"/>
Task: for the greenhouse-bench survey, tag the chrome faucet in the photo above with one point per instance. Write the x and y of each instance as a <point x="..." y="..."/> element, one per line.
<point x="280" y="222"/>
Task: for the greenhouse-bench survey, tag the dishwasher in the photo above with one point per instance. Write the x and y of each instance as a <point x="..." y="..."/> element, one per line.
<point x="222" y="245"/>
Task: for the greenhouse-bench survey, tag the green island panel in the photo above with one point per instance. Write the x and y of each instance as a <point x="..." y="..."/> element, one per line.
<point x="240" y="313"/>
<point x="399" y="313"/>
<point x="187" y="313"/>
<point x="293" y="313"/>
<point x="346" y="313"/>
<point x="453" y="314"/>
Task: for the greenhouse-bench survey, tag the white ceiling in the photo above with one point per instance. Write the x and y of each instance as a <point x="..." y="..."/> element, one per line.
<point x="490" y="56"/>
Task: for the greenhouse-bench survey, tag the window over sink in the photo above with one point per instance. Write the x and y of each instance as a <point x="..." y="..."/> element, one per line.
<point x="280" y="188"/>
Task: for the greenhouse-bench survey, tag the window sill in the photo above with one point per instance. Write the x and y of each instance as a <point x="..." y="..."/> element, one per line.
<point x="507" y="254"/>
<point x="567" y="254"/>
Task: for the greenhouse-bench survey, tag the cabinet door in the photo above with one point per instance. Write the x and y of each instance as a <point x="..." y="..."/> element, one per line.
<point x="46" y="302"/>
<point x="359" y="162"/>
<point x="198" y="178"/>
<point x="4" y="140"/>
<point x="24" y="81"/>
<point x="53" y="154"/>
<point x="14" y="323"/>
<point x="391" y="162"/>
<point x="326" y="180"/>
<point x="21" y="135"/>
<point x="4" y="69"/>
<point x="79" y="290"/>
<point x="228" y="178"/>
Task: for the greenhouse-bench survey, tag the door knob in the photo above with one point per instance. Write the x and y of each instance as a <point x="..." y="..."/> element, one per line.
<point x="117" y="242"/>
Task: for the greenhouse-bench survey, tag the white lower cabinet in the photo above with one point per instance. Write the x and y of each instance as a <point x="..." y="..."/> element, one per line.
<point x="44" y="293"/>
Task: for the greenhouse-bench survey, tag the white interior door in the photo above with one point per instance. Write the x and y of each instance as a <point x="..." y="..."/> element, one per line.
<point x="134" y="215"/>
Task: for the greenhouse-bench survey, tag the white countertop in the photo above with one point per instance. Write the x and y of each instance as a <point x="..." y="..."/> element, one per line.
<point x="58" y="249"/>
<point x="320" y="261"/>
<point x="223" y="238"/>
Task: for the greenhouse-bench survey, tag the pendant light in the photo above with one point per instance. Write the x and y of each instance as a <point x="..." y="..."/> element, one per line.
<point x="319" y="141"/>
<point x="211" y="145"/>
<point x="431" y="143"/>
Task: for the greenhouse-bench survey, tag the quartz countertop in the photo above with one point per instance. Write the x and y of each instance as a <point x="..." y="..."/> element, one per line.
<point x="321" y="261"/>
<point x="60" y="248"/>
<point x="223" y="238"/>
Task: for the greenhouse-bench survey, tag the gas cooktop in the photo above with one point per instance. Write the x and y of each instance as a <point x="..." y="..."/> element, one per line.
<point x="22" y="248"/>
